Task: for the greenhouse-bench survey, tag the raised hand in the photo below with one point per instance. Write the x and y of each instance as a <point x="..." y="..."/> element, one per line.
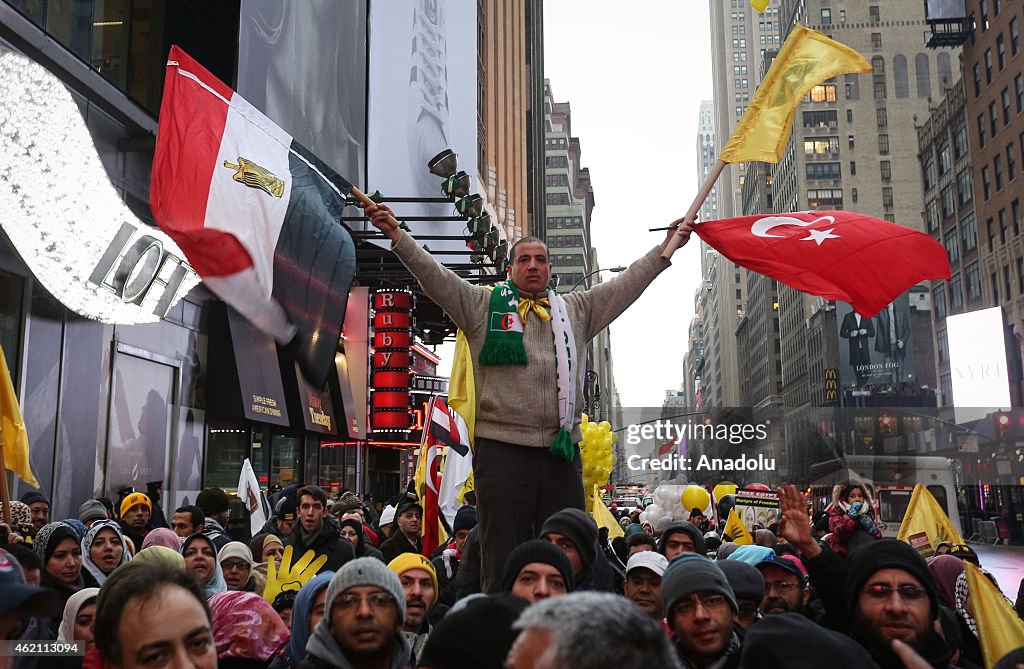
<point x="289" y="576"/>
<point x="794" y="523"/>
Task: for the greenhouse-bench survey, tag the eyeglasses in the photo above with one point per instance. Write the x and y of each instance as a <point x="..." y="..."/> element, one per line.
<point x="782" y="587"/>
<point x="709" y="602"/>
<point x="880" y="592"/>
<point x="377" y="600"/>
<point x="239" y="564"/>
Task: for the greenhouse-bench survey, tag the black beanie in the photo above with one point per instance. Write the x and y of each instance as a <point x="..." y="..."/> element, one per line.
<point x="213" y="501"/>
<point x="771" y="642"/>
<point x="577" y="527"/>
<point x="536" y="550"/>
<point x="465" y="519"/>
<point x="479" y="635"/>
<point x="699" y="546"/>
<point x="888" y="554"/>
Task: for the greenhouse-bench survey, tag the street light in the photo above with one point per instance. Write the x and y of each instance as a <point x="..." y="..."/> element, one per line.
<point x="616" y="270"/>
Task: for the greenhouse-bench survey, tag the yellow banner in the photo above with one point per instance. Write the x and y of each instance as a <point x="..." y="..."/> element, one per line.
<point x="603" y="517"/>
<point x="999" y="628"/>
<point x="13" y="437"/>
<point x="924" y="516"/>
<point x="734" y="528"/>
<point x="806" y="59"/>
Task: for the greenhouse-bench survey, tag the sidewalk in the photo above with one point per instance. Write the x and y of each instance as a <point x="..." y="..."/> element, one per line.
<point x="1006" y="563"/>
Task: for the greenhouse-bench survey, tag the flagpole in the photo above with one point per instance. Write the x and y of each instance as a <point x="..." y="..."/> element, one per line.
<point x="698" y="201"/>
<point x="365" y="199"/>
<point x="5" y="495"/>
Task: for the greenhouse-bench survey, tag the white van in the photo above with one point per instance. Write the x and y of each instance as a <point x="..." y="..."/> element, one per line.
<point x="890" y="480"/>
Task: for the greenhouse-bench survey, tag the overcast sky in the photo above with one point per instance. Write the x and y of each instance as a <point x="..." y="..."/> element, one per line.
<point x="634" y="75"/>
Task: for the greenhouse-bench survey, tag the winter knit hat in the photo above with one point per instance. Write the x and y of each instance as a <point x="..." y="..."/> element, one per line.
<point x="536" y="550"/>
<point x="745" y="579"/>
<point x="487" y="622"/>
<point x="689" y="528"/>
<point x="387" y="516"/>
<point x="92" y="509"/>
<point x="409" y="561"/>
<point x="791" y="640"/>
<point x="888" y="554"/>
<point x="369" y="572"/>
<point x="134" y="499"/>
<point x="577" y="527"/>
<point x="235" y="549"/>
<point x="213" y="501"/>
<point x="690" y="573"/>
<point x="465" y="519"/>
<point x="30" y="497"/>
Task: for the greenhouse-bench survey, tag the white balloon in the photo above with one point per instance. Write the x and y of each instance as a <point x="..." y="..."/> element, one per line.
<point x="643" y="517"/>
<point x="654" y="511"/>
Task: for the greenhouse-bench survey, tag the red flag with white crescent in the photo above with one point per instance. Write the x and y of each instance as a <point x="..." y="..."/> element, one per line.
<point x="838" y="255"/>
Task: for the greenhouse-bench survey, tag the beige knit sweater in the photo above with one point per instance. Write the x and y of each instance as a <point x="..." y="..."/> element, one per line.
<point x="519" y="404"/>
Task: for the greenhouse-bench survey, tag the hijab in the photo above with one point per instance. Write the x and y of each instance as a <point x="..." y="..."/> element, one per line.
<point x="246" y="626"/>
<point x="216" y="584"/>
<point x="301" y="612"/>
<point x="945" y="570"/>
<point x="76" y="603"/>
<point x="87" y="542"/>
<point x="161" y="555"/>
<point x="162" y="536"/>
<point x="46" y="542"/>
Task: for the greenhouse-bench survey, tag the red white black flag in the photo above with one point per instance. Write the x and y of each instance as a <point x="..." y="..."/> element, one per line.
<point x="256" y="213"/>
<point x="838" y="255"/>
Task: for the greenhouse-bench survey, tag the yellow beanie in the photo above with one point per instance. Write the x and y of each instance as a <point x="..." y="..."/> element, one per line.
<point x="409" y="561"/>
<point x="135" y="499"/>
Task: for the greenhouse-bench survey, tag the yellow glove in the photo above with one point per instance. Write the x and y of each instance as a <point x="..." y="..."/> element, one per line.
<point x="289" y="576"/>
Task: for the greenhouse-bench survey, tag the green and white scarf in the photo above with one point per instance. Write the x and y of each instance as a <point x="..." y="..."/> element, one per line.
<point x="503" y="345"/>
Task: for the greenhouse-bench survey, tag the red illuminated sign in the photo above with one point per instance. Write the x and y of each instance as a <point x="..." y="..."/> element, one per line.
<point x="391" y="318"/>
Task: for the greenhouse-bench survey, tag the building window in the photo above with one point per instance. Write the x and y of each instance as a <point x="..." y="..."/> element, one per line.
<point x="825" y="198"/>
<point x="852" y="92"/>
<point x="952" y="246"/>
<point x="876" y="40"/>
<point x="1001" y="52"/>
<point x="883" y="144"/>
<point x="973" y="274"/>
<point x="924" y="77"/>
<point x="900" y="76"/>
<point x="1015" y="215"/>
<point x="929" y="173"/>
<point x="997" y="170"/>
<point x="960" y="144"/>
<point x="823" y="93"/>
<point x="932" y="214"/>
<point x="873" y="14"/>
<point x="977" y="79"/>
<point x="963" y="185"/>
<point x="945" y="160"/>
<point x="991" y="234"/>
<point x="1018" y="89"/>
<point x="1020" y="276"/>
<point x="881" y="117"/>
<point x="970" y="232"/>
<point x="988" y="66"/>
<point x="993" y="117"/>
<point x="887" y="196"/>
<point x="1011" y="163"/>
<point x="821" y="146"/>
<point x="823" y="171"/>
<point x="820" y="119"/>
<point x="842" y="16"/>
<point x="947" y="201"/>
<point x="986" y="183"/>
<point x="853" y="194"/>
<point x="1002" y="226"/>
<point x="885" y="167"/>
<point x="995" y="287"/>
<point x="1014" y="37"/>
<point x="940" y="301"/>
<point x="981" y="131"/>
<point x="983" y="9"/>
<point x="956" y="293"/>
<point x="826" y="16"/>
<point x="853" y="167"/>
<point x="879" y="89"/>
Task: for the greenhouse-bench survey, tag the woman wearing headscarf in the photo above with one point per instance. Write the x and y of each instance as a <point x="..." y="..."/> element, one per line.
<point x="201" y="559"/>
<point x="352" y="530"/>
<point x="162" y="556"/>
<point x="264" y="546"/>
<point x="236" y="565"/>
<point x="246" y="630"/>
<point x="309" y="608"/>
<point x="21" y="518"/>
<point x="103" y="551"/>
<point x="162" y="536"/>
<point x="60" y="551"/>
<point x="77" y="625"/>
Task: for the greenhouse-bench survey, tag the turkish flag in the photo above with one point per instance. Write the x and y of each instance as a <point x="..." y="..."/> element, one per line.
<point x="838" y="255"/>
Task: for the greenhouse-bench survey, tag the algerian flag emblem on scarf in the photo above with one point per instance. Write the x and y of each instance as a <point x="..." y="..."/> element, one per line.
<point x="503" y="345"/>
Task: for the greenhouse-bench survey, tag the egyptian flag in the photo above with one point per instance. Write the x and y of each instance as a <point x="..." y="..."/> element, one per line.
<point x="256" y="214"/>
<point x="446" y="426"/>
<point x="838" y="255"/>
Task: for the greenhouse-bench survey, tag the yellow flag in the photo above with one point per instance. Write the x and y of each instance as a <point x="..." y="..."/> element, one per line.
<point x="806" y="59"/>
<point x="924" y="516"/>
<point x="734" y="528"/>
<point x="603" y="517"/>
<point x="462" y="386"/>
<point x="13" y="437"/>
<point x="999" y="628"/>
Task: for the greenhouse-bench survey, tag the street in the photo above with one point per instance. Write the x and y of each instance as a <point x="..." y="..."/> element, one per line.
<point x="1006" y="563"/>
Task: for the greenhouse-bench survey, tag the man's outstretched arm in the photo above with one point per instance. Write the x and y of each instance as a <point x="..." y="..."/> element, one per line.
<point x="446" y="288"/>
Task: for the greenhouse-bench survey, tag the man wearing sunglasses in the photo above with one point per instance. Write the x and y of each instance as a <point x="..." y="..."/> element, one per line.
<point x="699" y="607"/>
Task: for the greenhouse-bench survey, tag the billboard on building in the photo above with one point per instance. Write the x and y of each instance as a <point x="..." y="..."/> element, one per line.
<point x="879" y="350"/>
<point x="939" y="10"/>
<point x="303" y="64"/>
<point x="977" y="363"/>
<point x="423" y="99"/>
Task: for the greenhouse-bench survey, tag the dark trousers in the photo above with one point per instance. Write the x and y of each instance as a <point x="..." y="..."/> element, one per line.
<point x="517" y="488"/>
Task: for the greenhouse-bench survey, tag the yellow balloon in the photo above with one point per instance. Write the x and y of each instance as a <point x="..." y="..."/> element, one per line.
<point x="760" y="5"/>
<point x="724" y="488"/>
<point x="695" y="497"/>
<point x="605" y="426"/>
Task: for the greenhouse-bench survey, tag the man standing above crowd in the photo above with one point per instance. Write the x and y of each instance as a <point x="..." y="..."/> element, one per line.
<point x="524" y="340"/>
<point x="313" y="533"/>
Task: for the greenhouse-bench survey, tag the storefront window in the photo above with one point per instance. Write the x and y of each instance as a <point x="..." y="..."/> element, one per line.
<point x="384" y="472"/>
<point x="285" y="454"/>
<point x="227" y="447"/>
<point x="338" y="466"/>
<point x="311" y="461"/>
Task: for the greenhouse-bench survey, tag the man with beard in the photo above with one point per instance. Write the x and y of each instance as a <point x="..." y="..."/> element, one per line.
<point x="136" y="510"/>
<point x="408" y="518"/>
<point x="419" y="582"/>
<point x="699" y="607"/>
<point x="886" y="590"/>
<point x="39" y="505"/>
<point x="785" y="584"/>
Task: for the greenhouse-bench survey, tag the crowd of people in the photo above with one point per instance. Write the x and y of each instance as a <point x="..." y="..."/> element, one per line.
<point x="809" y="592"/>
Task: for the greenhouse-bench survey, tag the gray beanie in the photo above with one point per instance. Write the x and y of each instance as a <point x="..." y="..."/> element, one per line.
<point x="92" y="509"/>
<point x="690" y="573"/>
<point x="366" y="571"/>
<point x="746" y="579"/>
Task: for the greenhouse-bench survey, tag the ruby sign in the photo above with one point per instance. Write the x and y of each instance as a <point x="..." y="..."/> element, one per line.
<point x="391" y="318"/>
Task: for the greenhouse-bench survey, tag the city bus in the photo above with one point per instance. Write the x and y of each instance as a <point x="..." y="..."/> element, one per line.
<point x="890" y="480"/>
